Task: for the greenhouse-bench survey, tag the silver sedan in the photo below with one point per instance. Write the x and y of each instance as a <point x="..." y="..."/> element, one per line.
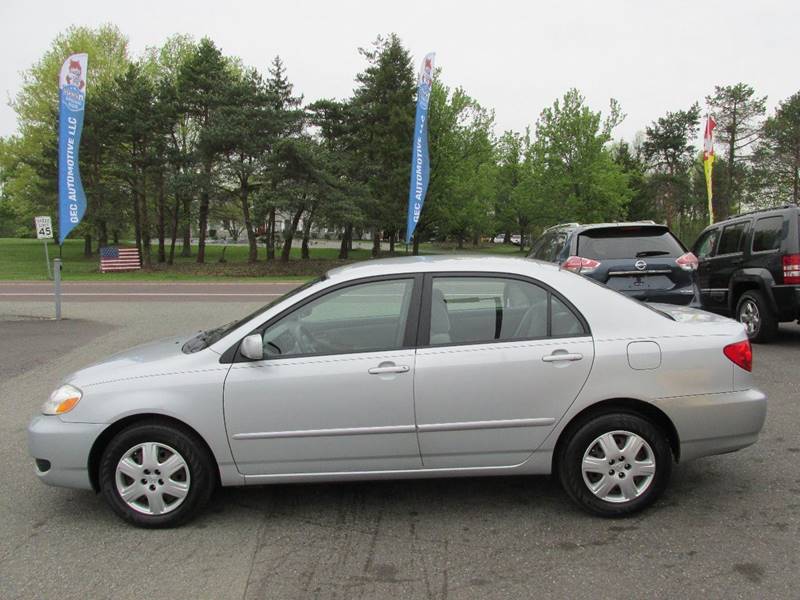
<point x="414" y="367"/>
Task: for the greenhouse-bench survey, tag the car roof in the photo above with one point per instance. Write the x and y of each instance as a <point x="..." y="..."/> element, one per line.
<point x="587" y="226"/>
<point x="761" y="212"/>
<point x="425" y="264"/>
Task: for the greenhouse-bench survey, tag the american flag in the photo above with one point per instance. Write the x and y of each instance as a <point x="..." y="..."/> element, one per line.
<point x="113" y="258"/>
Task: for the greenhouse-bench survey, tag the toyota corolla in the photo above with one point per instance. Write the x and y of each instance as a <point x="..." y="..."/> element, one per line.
<point x="409" y="368"/>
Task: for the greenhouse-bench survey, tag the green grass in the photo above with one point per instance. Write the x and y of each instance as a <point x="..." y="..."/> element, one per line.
<point x="23" y="260"/>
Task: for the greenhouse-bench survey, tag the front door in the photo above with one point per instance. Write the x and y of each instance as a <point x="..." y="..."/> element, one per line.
<point x="505" y="360"/>
<point x="335" y="391"/>
<point x="704" y="249"/>
<point x="726" y="261"/>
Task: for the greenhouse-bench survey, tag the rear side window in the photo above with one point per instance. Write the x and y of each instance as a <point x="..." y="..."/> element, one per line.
<point x="469" y="310"/>
<point x="731" y="240"/>
<point x="768" y="233"/>
<point x="628" y="242"/>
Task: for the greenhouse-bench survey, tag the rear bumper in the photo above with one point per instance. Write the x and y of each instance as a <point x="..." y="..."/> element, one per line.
<point x="61" y="450"/>
<point x="710" y="424"/>
<point x="682" y="296"/>
<point x="787" y="301"/>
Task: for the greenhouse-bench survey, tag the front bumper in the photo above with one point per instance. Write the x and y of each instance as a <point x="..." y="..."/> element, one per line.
<point x="710" y="424"/>
<point x="61" y="450"/>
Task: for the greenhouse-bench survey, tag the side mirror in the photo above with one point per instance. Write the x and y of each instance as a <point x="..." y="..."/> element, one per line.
<point x="252" y="347"/>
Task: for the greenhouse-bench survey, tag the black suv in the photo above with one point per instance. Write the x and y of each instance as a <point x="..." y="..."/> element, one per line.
<point x="642" y="259"/>
<point x="749" y="266"/>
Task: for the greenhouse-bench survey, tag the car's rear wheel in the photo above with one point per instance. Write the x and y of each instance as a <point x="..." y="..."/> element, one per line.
<point x="753" y="311"/>
<point x="615" y="464"/>
<point x="156" y="475"/>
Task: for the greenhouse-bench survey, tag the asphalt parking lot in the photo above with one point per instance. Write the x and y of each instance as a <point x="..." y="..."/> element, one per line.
<point x="727" y="526"/>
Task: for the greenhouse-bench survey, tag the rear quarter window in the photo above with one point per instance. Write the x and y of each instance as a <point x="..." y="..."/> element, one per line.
<point x="628" y="242"/>
<point x="769" y="233"/>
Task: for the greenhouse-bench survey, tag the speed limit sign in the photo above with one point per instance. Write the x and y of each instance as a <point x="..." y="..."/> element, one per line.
<point x="44" y="228"/>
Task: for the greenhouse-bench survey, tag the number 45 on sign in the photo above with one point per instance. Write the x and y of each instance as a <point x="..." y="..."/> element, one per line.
<point x="44" y="231"/>
<point x="44" y="228"/>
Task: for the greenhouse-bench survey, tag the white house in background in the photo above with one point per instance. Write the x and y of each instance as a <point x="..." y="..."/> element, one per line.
<point x="283" y="222"/>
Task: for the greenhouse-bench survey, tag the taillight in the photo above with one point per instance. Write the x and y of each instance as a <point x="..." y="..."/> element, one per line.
<point x="579" y="264"/>
<point x="791" y="268"/>
<point x="687" y="262"/>
<point x="741" y="354"/>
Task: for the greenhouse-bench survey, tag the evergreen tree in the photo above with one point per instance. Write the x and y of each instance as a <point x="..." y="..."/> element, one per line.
<point x="383" y="106"/>
<point x="738" y="112"/>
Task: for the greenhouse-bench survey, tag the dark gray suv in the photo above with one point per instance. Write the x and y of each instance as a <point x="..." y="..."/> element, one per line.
<point x="643" y="260"/>
<point x="749" y="266"/>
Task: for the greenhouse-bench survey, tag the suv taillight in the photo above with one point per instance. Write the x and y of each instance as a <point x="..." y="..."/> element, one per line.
<point x="791" y="268"/>
<point x="741" y="354"/>
<point x="687" y="262"/>
<point x="579" y="264"/>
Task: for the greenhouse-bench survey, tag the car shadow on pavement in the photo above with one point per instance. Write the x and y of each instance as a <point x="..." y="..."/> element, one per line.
<point x="788" y="336"/>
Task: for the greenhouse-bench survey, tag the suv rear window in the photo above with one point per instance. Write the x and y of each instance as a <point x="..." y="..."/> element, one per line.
<point x="769" y="233"/>
<point x="628" y="242"/>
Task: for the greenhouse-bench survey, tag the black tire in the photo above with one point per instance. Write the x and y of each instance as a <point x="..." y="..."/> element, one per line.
<point x="581" y="440"/>
<point x="767" y="327"/>
<point x="201" y="474"/>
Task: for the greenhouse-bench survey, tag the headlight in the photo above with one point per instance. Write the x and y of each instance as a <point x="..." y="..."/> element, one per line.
<point x="62" y="400"/>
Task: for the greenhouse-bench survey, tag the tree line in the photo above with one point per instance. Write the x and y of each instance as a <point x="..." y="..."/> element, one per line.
<point x="184" y="136"/>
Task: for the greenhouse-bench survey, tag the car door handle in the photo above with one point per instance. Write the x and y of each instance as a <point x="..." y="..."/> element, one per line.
<point x="556" y="357"/>
<point x="388" y="369"/>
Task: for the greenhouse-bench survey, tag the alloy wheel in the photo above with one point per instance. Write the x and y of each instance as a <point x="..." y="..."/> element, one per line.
<point x="152" y="478"/>
<point x="750" y="317"/>
<point x="618" y="466"/>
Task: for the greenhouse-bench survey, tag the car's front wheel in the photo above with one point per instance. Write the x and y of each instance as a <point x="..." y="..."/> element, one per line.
<point x="156" y="475"/>
<point x="615" y="464"/>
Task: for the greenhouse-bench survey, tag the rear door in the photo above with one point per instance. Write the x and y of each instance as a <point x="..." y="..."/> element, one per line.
<point x="639" y="260"/>
<point x="504" y="359"/>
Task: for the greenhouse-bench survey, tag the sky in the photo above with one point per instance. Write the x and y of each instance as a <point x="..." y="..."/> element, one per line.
<point x="513" y="57"/>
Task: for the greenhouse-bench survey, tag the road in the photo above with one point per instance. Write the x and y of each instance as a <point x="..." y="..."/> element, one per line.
<point x="78" y="291"/>
<point x="727" y="527"/>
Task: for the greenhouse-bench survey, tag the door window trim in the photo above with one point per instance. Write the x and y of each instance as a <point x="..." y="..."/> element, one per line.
<point x="424" y="324"/>
<point x="232" y="354"/>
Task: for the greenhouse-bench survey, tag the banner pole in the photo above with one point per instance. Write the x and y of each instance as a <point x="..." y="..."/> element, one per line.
<point x="57" y="286"/>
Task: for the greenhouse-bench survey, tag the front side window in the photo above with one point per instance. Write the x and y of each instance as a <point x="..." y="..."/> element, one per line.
<point x="731" y="240"/>
<point x="769" y="233"/>
<point x="705" y="245"/>
<point x="549" y="246"/>
<point x="466" y="310"/>
<point x="541" y="248"/>
<point x="365" y="317"/>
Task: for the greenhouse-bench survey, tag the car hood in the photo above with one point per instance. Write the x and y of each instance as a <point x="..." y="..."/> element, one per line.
<point x="153" y="358"/>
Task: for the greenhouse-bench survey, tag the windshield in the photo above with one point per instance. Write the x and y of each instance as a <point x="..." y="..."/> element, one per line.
<point x="211" y="336"/>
